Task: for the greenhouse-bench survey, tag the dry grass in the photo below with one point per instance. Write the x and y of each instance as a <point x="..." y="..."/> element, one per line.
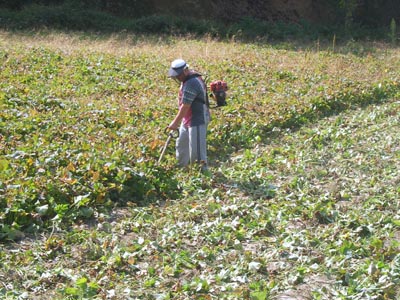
<point x="305" y="59"/>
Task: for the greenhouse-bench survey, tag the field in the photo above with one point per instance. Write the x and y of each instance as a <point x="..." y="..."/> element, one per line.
<point x="302" y="199"/>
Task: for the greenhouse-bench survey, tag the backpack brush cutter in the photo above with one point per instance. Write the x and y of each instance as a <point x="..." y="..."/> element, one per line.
<point x="218" y="92"/>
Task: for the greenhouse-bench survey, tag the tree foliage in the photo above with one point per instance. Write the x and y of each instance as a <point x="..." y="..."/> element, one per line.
<point x="366" y="12"/>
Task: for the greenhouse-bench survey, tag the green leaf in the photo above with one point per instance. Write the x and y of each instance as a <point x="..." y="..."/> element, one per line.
<point x="396" y="222"/>
<point x="258" y="295"/>
<point x="71" y="291"/>
<point x="3" y="165"/>
<point x="82" y="283"/>
<point x="82" y="200"/>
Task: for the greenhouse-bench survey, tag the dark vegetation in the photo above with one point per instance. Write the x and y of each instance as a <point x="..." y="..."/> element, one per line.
<point x="260" y="20"/>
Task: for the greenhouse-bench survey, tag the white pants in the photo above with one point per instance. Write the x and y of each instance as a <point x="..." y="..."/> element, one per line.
<point x="191" y="145"/>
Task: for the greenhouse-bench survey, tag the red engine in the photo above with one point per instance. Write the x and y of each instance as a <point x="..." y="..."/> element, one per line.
<point x="218" y="89"/>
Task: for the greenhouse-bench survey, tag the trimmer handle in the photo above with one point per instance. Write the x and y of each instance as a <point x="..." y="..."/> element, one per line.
<point x="172" y="133"/>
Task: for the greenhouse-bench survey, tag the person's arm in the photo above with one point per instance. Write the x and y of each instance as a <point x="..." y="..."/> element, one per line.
<point x="183" y="110"/>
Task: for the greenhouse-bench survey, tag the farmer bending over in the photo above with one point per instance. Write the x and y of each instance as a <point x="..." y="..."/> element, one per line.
<point x="193" y="115"/>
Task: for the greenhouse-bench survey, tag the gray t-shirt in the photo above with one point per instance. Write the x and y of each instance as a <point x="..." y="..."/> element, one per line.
<point x="193" y="92"/>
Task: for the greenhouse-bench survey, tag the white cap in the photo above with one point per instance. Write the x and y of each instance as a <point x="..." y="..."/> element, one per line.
<point x="177" y="67"/>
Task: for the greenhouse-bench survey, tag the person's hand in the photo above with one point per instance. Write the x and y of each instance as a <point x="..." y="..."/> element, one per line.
<point x="173" y="126"/>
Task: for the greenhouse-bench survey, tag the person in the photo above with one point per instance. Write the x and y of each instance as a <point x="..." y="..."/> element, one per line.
<point x="192" y="117"/>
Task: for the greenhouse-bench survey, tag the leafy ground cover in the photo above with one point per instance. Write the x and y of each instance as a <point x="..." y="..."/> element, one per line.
<point x="302" y="203"/>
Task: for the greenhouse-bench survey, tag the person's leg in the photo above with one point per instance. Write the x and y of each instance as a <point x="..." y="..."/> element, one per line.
<point x="198" y="145"/>
<point x="182" y="147"/>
